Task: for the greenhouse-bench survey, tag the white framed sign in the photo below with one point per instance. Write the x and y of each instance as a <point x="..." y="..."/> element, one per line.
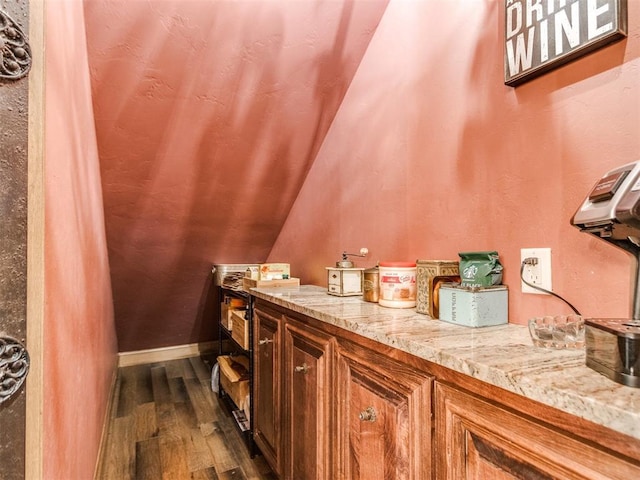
<point x="541" y="35"/>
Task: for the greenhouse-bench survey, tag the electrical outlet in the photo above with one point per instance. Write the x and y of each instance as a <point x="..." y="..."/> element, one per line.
<point x="539" y="274"/>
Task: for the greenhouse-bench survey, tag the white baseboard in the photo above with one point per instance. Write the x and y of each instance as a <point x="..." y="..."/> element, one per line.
<point x="139" y="357"/>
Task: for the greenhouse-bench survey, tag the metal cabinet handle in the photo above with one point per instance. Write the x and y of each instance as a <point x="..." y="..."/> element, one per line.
<point x="304" y="368"/>
<point x="14" y="367"/>
<point x="264" y="341"/>
<point x="368" y="415"/>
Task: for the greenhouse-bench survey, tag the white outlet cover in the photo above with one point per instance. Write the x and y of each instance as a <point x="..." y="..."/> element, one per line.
<point x="543" y="269"/>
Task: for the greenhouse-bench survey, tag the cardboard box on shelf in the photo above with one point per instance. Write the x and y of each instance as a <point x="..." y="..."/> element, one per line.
<point x="240" y="328"/>
<point x="253" y="272"/>
<point x="229" y="304"/>
<point x="248" y="283"/>
<point x="274" y="271"/>
<point x="234" y="377"/>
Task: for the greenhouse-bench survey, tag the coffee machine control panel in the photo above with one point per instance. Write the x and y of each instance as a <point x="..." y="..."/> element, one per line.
<point x="607" y="187"/>
<point x="612" y="208"/>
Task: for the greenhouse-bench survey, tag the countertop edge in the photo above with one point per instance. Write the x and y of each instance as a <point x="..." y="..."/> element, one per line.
<point x="557" y="378"/>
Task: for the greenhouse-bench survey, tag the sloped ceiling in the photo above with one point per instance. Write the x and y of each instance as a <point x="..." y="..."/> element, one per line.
<point x="208" y="116"/>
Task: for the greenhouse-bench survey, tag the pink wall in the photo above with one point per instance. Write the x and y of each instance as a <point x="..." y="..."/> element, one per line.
<point x="431" y="154"/>
<point x="213" y="119"/>
<point x="208" y="116"/>
<point x="80" y="342"/>
<point x="220" y="122"/>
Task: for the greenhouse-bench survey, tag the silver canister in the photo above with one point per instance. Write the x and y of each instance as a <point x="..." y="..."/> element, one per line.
<point x="371" y="285"/>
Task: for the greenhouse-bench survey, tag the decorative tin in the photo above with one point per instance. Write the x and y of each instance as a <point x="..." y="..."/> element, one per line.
<point x="371" y="285"/>
<point x="431" y="274"/>
<point x="474" y="306"/>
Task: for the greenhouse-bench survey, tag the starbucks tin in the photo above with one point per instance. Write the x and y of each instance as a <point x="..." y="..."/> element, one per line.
<point x="474" y="306"/>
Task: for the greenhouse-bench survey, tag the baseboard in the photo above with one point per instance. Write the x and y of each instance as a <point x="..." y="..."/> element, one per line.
<point x="105" y="427"/>
<point x="139" y="357"/>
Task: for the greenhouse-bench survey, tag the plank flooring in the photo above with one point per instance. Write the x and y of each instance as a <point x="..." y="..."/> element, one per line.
<point x="166" y="424"/>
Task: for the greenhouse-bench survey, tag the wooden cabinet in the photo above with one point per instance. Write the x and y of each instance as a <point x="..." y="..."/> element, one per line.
<point x="267" y="384"/>
<point x="307" y="366"/>
<point x="330" y="404"/>
<point x="479" y="439"/>
<point x="329" y="408"/>
<point x="383" y="417"/>
<point x="292" y="367"/>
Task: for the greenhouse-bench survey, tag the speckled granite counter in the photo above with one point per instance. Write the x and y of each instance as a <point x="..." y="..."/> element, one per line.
<point x="502" y="356"/>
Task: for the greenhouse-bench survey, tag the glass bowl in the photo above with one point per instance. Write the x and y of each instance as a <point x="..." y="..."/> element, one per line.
<point x="559" y="331"/>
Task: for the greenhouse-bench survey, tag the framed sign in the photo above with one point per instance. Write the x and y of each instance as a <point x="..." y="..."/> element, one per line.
<point x="541" y="35"/>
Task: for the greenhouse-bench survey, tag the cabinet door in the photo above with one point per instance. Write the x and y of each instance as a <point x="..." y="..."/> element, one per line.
<point x="266" y="387"/>
<point x="479" y="439"/>
<point x="307" y="366"/>
<point x="384" y="419"/>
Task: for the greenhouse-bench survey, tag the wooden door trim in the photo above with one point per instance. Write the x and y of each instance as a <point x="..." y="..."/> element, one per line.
<point x="34" y="428"/>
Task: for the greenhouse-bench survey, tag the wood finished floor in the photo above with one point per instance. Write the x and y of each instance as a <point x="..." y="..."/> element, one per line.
<point x="166" y="423"/>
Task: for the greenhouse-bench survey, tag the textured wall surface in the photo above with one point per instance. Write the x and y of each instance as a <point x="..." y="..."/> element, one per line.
<point x="80" y="340"/>
<point x="430" y="154"/>
<point x="209" y="116"/>
<point x="13" y="242"/>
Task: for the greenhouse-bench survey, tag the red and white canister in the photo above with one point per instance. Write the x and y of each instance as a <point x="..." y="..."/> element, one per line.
<point x="397" y="284"/>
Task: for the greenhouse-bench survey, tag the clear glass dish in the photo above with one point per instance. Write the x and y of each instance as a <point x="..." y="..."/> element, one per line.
<point x="559" y="331"/>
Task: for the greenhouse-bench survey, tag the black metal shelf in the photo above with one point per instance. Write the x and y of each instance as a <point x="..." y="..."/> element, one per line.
<point x="237" y="347"/>
<point x="245" y="428"/>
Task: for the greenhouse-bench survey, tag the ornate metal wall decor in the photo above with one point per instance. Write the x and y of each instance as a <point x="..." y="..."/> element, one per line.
<point x="14" y="366"/>
<point x="15" y="53"/>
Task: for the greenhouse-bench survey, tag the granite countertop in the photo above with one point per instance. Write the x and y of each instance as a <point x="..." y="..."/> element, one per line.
<point x="503" y="355"/>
